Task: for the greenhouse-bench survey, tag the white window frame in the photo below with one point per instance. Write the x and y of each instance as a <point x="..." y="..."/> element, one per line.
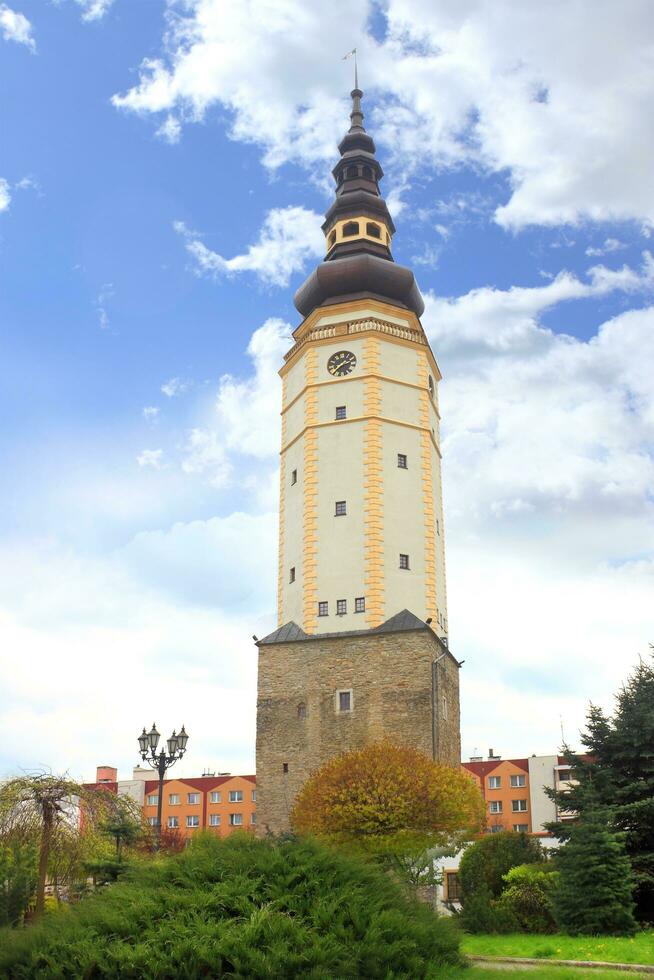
<point x="518" y="780"/>
<point x="214" y="796"/>
<point x="254" y="796"/>
<point x="192" y="821"/>
<point x="173" y="799"/>
<point x="236" y="820"/>
<point x="190" y="802"/>
<point x="153" y="799"/>
<point x="521" y="828"/>
<point x="344" y="711"/>
<point x="214" y="820"/>
<point x="236" y="796"/>
<point x="494" y="782"/>
<point x="519" y="806"/>
<point x="173" y="823"/>
<point x="495" y="806"/>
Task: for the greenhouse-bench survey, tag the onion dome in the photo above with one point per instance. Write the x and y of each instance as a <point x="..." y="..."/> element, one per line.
<point x="358" y="229"/>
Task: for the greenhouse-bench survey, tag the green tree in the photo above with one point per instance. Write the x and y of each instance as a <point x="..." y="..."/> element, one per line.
<point x="594" y="893"/>
<point x="618" y="774"/>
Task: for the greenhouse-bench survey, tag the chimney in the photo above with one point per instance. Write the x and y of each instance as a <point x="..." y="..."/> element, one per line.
<point x="139" y="772"/>
<point x="106" y="774"/>
<point x="492" y="757"/>
<point x="476" y="758"/>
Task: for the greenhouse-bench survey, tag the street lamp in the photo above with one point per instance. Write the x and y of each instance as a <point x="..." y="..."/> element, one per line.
<point x="176" y="746"/>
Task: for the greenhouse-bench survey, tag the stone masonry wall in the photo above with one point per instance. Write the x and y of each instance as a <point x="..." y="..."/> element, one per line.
<point x="394" y="685"/>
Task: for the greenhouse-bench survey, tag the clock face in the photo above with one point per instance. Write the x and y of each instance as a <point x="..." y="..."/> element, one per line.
<point x="341" y="363"/>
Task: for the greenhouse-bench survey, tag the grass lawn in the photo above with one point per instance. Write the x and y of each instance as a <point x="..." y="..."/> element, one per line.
<point x="612" y="949"/>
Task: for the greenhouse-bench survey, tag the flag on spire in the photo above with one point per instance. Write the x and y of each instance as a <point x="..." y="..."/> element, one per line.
<point x="350" y="54"/>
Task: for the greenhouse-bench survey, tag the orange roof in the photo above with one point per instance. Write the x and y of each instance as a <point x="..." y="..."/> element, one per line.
<point x="204" y="783"/>
<point x="482" y="769"/>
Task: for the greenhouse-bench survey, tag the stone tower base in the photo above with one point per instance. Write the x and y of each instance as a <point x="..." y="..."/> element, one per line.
<point x="403" y="684"/>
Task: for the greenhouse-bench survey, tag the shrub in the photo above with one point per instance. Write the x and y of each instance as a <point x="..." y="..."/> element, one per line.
<point x="528" y="897"/>
<point x="239" y="907"/>
<point x="482" y="872"/>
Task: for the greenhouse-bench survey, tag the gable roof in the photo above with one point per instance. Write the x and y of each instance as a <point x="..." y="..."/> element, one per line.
<point x="203" y="783"/>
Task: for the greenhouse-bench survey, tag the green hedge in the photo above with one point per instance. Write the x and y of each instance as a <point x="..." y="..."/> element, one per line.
<point x="241" y="908"/>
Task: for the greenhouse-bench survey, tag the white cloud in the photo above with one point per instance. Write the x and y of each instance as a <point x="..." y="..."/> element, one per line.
<point x="16" y="27"/>
<point x="174" y="386"/>
<point x="5" y="194"/>
<point x="150" y="458"/>
<point x="170" y="130"/>
<point x="553" y="95"/>
<point x="205" y="454"/>
<point x="151" y="413"/>
<point x="610" y="245"/>
<point x="288" y="239"/>
<point x="94" y="9"/>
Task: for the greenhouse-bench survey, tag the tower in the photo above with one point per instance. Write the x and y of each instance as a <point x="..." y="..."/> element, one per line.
<point x="361" y="650"/>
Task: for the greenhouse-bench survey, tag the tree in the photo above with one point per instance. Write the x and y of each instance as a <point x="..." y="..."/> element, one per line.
<point x="618" y="775"/>
<point x="594" y="893"/>
<point x="390" y="801"/>
<point x="527" y="897"/>
<point x="45" y="808"/>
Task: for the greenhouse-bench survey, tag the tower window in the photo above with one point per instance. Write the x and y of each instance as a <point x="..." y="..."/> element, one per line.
<point x="293" y="477"/>
<point x="438" y="526"/>
<point x="350" y="228"/>
<point x="341" y="412"/>
<point x="344" y="700"/>
<point x="404" y="561"/>
<point x="284" y="767"/>
<point x="332" y="239"/>
<point x="431" y="386"/>
<point x="360" y="604"/>
<point x="352" y="172"/>
<point x="444" y="708"/>
<point x="302" y="710"/>
<point x="373" y="230"/>
<point x="291" y="576"/>
<point x="401" y="461"/>
<point x="367" y="172"/>
<point x="341" y="607"/>
<point x="323" y="609"/>
<point x="341" y="508"/>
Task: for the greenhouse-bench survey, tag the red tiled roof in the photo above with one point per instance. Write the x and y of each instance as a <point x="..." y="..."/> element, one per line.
<point x="484" y="768"/>
<point x="204" y="783"/>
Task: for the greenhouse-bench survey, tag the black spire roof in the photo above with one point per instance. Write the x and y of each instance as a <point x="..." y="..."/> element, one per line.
<point x="359" y="266"/>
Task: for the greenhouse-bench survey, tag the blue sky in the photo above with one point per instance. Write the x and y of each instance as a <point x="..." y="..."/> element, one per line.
<point x="163" y="171"/>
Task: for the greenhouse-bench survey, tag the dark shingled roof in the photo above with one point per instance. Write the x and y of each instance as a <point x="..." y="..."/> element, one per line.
<point x="402" y="622"/>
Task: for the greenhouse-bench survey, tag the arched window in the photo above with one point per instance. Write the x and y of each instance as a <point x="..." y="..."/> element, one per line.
<point x="367" y="172"/>
<point x="301" y="710"/>
<point x="350" y="228"/>
<point x="332" y="239"/>
<point x="352" y="172"/>
<point x="373" y="230"/>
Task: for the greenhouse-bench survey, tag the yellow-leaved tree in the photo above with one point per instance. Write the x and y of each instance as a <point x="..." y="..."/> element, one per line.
<point x="392" y="802"/>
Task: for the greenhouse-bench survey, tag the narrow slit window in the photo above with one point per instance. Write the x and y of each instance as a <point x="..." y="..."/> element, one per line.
<point x="291" y="575"/>
<point x="402" y="461"/>
<point x="293" y="477"/>
<point x="404" y="561"/>
<point x="344" y="701"/>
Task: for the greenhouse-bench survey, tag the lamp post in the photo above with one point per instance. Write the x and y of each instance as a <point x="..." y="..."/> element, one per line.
<point x="176" y="747"/>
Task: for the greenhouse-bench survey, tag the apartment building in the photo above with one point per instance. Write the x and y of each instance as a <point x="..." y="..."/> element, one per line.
<point x="220" y="802"/>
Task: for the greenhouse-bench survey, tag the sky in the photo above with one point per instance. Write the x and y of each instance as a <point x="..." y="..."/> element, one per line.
<point x="164" y="169"/>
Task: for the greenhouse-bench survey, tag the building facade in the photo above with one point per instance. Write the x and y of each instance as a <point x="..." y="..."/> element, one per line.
<point x="221" y="804"/>
<point x="361" y="651"/>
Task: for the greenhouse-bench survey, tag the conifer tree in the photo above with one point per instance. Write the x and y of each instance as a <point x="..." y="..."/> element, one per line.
<point x="594" y="892"/>
<point x="618" y="774"/>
